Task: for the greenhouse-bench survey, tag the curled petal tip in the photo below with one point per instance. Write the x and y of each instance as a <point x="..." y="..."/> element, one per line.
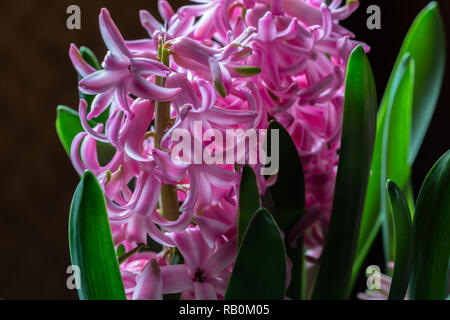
<point x="111" y="35"/>
<point x="82" y="67"/>
<point x="83" y="104"/>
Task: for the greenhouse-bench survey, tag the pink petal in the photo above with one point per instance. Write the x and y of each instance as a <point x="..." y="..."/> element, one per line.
<point x="223" y="257"/>
<point x="192" y="246"/>
<point x="229" y="117"/>
<point x="89" y="155"/>
<point x="148" y="90"/>
<point x="267" y="30"/>
<point x="276" y="6"/>
<point x="136" y="230"/>
<point x="100" y="104"/>
<point x="176" y="279"/>
<point x="208" y="95"/>
<point x="156" y="234"/>
<point x="114" y="126"/>
<point x="195" y="10"/>
<point x="302" y="10"/>
<point x="174" y="226"/>
<point x="149" y="195"/>
<point x="290" y="32"/>
<point x="149" y="22"/>
<point x="145" y="66"/>
<point x="75" y="153"/>
<point x="327" y="22"/>
<point x="143" y="111"/>
<point x="173" y="170"/>
<point x="219" y="176"/>
<point x="121" y="95"/>
<point x="82" y="113"/>
<point x="187" y="95"/>
<point x="345" y="11"/>
<point x="204" y="28"/>
<point x="114" y="183"/>
<point x="202" y="186"/>
<point x="211" y="229"/>
<point x="165" y="10"/>
<point x="101" y="81"/>
<point x="82" y="67"/>
<point x="149" y="283"/>
<point x="216" y="73"/>
<point x="181" y="27"/>
<point x="111" y="35"/>
<point x="193" y="50"/>
<point x="204" y="291"/>
<point x="144" y="47"/>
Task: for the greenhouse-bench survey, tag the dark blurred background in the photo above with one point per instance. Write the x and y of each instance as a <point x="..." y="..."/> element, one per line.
<point x="36" y="75"/>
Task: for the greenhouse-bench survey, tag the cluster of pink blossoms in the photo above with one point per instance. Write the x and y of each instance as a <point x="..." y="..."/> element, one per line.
<point x="232" y="64"/>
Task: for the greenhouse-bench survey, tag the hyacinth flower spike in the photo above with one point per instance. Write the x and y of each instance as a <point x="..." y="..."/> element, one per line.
<point x="229" y="66"/>
<point x="123" y="72"/>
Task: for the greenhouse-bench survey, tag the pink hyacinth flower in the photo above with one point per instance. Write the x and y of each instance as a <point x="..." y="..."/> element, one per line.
<point x="124" y="73"/>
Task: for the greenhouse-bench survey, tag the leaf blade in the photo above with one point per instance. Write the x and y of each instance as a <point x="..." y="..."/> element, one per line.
<point x="395" y="145"/>
<point x="255" y="277"/>
<point x="358" y="135"/>
<point x="432" y="234"/>
<point x="68" y="125"/>
<point x="426" y="44"/>
<point x="249" y="201"/>
<point x="403" y="241"/>
<point x="288" y="195"/>
<point x="390" y="161"/>
<point x="91" y="244"/>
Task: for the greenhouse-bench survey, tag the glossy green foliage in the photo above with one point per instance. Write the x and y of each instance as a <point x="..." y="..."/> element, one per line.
<point x="355" y="157"/>
<point x="91" y="244"/>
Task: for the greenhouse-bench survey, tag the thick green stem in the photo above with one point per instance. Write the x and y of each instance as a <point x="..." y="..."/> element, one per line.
<point x="169" y="206"/>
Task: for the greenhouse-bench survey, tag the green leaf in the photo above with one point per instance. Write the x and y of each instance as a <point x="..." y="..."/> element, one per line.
<point x="91" y="244"/>
<point x="425" y="42"/>
<point x="260" y="269"/>
<point x="68" y="125"/>
<point x="288" y="193"/>
<point x="288" y="196"/>
<point x="390" y="161"/>
<point x="120" y="250"/>
<point x="249" y="201"/>
<point x="432" y="234"/>
<point x="403" y="241"/>
<point x="395" y="145"/>
<point x="358" y="137"/>
<point x="297" y="286"/>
